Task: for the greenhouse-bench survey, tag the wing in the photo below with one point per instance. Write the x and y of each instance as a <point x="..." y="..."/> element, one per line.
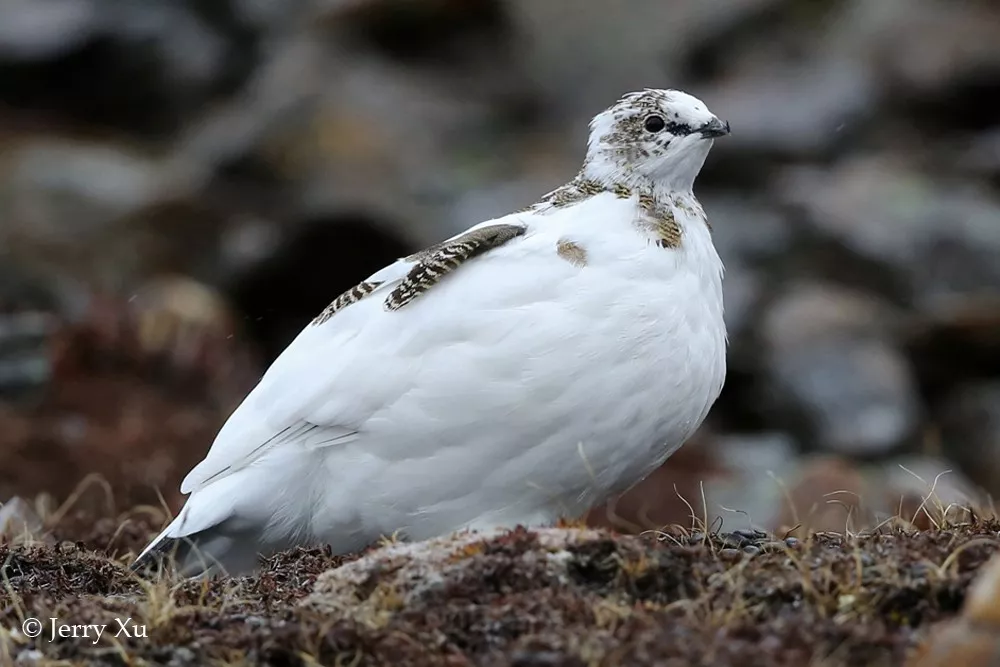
<point x="280" y="410"/>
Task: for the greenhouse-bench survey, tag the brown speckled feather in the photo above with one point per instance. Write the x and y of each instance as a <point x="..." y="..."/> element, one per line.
<point x="438" y="261"/>
<point x="353" y="295"/>
<point x="660" y="220"/>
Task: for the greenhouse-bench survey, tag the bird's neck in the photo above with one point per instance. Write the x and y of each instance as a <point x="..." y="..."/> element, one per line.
<point x="625" y="184"/>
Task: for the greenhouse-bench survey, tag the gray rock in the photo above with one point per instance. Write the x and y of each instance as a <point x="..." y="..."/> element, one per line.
<point x="797" y="108"/>
<point x="19" y="521"/>
<point x="746" y="229"/>
<point x="982" y="155"/>
<point x="917" y="46"/>
<point x="181" y="656"/>
<point x="835" y="372"/>
<point x="414" y="570"/>
<point x="748" y="234"/>
<point x="29" y="656"/>
<point x="970" y="432"/>
<point x="750" y="493"/>
<point x="939" y="237"/>
<point x="938" y="482"/>
<point x="61" y="190"/>
<point x="616" y="46"/>
<point x="742" y="292"/>
<point x="33" y="30"/>
<point x="25" y="363"/>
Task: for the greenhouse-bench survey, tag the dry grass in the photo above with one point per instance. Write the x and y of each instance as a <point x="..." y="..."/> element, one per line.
<point x="675" y="596"/>
<point x="678" y="596"/>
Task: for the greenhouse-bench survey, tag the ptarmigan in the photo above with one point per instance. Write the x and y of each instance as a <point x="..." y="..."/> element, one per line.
<point x="519" y="372"/>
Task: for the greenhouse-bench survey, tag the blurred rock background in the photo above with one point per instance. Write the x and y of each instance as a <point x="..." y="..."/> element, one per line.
<point x="184" y="184"/>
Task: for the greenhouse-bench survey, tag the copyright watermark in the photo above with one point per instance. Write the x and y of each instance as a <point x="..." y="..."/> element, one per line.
<point x="51" y="629"/>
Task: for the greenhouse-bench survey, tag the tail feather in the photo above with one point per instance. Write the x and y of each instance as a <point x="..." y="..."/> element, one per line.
<point x="202" y="540"/>
<point x="201" y="554"/>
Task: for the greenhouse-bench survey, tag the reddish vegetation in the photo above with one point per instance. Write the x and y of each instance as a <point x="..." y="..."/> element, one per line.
<point x="670" y="598"/>
<point x="673" y="599"/>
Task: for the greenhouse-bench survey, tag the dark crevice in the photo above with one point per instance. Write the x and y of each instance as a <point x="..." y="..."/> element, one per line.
<point x="327" y="256"/>
<point x="429" y="32"/>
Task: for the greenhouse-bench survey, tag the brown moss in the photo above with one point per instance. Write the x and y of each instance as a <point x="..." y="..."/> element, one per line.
<point x="518" y="598"/>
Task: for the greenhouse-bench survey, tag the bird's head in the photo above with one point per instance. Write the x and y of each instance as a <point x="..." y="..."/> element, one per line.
<point x="658" y="137"/>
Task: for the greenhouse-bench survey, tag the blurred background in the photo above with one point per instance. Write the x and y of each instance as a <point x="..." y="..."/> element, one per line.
<point x="184" y="184"/>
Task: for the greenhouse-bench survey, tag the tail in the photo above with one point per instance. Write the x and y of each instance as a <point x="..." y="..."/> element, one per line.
<point x="201" y="541"/>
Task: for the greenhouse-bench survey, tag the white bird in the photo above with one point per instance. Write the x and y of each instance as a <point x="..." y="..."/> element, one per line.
<point x="522" y="371"/>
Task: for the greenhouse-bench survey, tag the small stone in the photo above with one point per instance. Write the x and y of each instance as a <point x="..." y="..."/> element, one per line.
<point x="970" y="432"/>
<point x="792" y="542"/>
<point x="922" y="489"/>
<point x="838" y="379"/>
<point x="29" y="656"/>
<point x="541" y="659"/>
<point x="934" y="240"/>
<point x="824" y="493"/>
<point x="752" y="550"/>
<point x="750" y="534"/>
<point x="19" y="521"/>
<point x="731" y="541"/>
<point x="181" y="656"/>
<point x="795" y="108"/>
<point x="972" y="640"/>
<point x="982" y="604"/>
<point x="730" y="554"/>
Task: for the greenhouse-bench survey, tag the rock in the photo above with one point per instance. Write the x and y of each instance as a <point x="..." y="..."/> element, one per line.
<point x="749" y="236"/>
<point x="327" y="130"/>
<point x="749" y="492"/>
<point x="836" y="494"/>
<point x="370" y="590"/>
<point x="795" y="109"/>
<point x="937" y="238"/>
<point x="826" y="494"/>
<point x="32" y="303"/>
<point x="835" y="374"/>
<point x="972" y="640"/>
<point x="747" y="229"/>
<point x="667" y="495"/>
<point x="19" y="521"/>
<point x="970" y="432"/>
<point x="743" y="291"/>
<point x="29" y="657"/>
<point x="59" y="201"/>
<point x="640" y="43"/>
<point x="955" y="344"/>
<point x="140" y="66"/>
<point x="926" y="491"/>
<point x="34" y="30"/>
<point x="919" y="47"/>
<point x="188" y="330"/>
<point x="733" y="479"/>
<point x="24" y="361"/>
<point x="982" y="155"/>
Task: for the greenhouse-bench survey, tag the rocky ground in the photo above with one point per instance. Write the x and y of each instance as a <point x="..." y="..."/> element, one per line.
<point x="183" y="185"/>
<point x="274" y="153"/>
<point x="554" y="597"/>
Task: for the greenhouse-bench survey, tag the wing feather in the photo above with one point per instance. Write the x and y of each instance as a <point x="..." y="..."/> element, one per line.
<point x="282" y="409"/>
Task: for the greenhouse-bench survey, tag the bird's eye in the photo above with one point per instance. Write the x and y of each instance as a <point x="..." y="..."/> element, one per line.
<point x="654" y="124"/>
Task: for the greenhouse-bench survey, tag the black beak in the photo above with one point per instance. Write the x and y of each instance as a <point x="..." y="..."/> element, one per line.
<point x="714" y="128"/>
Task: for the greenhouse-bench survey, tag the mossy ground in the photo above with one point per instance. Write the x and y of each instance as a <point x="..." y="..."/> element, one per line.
<point x="672" y="597"/>
<point x="667" y="598"/>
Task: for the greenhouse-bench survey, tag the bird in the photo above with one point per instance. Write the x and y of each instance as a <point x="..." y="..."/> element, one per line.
<point x="515" y="374"/>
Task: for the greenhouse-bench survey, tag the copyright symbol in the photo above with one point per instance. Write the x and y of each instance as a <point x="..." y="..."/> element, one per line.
<point x="31" y="627"/>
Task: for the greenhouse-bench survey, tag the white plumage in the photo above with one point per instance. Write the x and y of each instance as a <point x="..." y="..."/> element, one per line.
<point x="556" y="363"/>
